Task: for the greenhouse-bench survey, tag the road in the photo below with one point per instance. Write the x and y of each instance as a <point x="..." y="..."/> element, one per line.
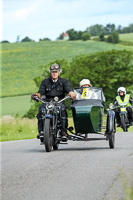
<point x="79" y="170"/>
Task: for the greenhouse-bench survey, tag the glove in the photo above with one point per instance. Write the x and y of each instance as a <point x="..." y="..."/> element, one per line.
<point x="35" y="94"/>
<point x="72" y="94"/>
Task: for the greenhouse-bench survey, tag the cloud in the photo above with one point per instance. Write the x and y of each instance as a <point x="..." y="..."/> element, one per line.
<point x="42" y="18"/>
<point x="23" y="14"/>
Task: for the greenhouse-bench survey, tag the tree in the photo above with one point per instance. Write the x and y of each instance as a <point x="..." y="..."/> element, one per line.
<point x="119" y="29"/>
<point x="72" y="34"/>
<point x="109" y="28"/>
<point x="101" y="36"/>
<point x="86" y="36"/>
<point x="108" y="70"/>
<point x="44" y="39"/>
<point x="110" y="39"/>
<point x="26" y="39"/>
<point x="113" y="37"/>
<point x="95" y="29"/>
<point x="79" y="34"/>
<point x="5" y="41"/>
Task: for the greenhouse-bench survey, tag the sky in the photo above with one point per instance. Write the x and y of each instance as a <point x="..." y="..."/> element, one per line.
<point x="40" y="19"/>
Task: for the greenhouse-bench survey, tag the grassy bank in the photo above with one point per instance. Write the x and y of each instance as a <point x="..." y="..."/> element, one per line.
<point x="19" y="129"/>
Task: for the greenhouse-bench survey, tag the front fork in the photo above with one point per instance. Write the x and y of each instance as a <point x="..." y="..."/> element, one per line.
<point x="55" y="125"/>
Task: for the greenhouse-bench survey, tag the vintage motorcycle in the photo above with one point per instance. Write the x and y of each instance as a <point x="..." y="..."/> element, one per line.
<point x="124" y="119"/>
<point x="88" y="118"/>
<point x="51" y="116"/>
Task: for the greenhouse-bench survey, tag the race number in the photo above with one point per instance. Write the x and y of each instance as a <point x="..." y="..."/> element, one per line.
<point x="84" y="93"/>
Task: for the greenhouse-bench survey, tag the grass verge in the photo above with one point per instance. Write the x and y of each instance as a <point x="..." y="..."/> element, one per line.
<point x="19" y="129"/>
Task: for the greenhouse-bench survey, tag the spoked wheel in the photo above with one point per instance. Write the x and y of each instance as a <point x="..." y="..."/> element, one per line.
<point x="111" y="131"/>
<point x="112" y="140"/>
<point x="48" y="137"/>
<point x="123" y="124"/>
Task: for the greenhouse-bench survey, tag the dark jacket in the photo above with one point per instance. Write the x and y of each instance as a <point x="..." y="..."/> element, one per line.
<point x="51" y="89"/>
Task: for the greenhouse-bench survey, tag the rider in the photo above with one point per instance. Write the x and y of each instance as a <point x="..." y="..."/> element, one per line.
<point x="86" y="93"/>
<point x="51" y="87"/>
<point x="120" y="100"/>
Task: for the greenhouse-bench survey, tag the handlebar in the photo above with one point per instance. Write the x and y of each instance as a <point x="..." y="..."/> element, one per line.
<point x="67" y="97"/>
<point x="114" y="107"/>
<point x="40" y="100"/>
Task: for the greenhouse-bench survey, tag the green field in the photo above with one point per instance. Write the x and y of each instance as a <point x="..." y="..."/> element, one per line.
<point x="126" y="37"/>
<point x="21" y="61"/>
<point x="127" y="40"/>
<point x="15" y="106"/>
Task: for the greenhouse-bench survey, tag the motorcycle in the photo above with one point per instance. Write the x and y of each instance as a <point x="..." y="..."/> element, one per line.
<point x="87" y="119"/>
<point x="124" y="119"/>
<point x="51" y="116"/>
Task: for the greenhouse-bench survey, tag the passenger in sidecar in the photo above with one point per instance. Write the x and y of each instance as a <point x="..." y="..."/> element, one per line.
<point x="88" y="109"/>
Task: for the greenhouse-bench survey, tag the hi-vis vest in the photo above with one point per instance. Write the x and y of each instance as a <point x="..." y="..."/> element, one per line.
<point x="125" y="102"/>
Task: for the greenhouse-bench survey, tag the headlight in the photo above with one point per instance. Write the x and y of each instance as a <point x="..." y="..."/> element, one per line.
<point x="50" y="106"/>
<point x="111" y="106"/>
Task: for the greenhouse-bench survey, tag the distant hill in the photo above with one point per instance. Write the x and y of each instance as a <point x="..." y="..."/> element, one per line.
<point x="21" y="61"/>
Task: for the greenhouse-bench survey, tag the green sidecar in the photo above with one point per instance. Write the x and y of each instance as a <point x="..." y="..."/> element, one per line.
<point x="88" y="116"/>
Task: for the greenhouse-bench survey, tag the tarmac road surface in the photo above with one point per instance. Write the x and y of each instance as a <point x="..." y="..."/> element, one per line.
<point x="79" y="170"/>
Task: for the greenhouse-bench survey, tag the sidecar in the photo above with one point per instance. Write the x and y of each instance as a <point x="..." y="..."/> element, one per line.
<point x="88" y="116"/>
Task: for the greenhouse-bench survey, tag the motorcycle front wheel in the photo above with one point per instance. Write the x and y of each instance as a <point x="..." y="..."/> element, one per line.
<point x="123" y="124"/>
<point x="111" y="129"/>
<point x="112" y="135"/>
<point x="48" y="137"/>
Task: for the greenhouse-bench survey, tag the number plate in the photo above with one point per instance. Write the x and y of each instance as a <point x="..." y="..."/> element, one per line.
<point x="123" y="109"/>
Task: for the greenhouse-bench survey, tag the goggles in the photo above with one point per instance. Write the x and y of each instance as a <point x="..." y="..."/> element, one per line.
<point x="55" y="67"/>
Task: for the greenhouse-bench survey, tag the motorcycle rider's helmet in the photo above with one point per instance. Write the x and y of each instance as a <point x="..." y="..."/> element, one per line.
<point x="55" y="67"/>
<point x="121" y="89"/>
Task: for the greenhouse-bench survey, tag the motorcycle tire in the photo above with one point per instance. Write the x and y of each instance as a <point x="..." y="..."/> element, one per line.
<point x="112" y="135"/>
<point x="111" y="129"/>
<point x="48" y="137"/>
<point x="123" y="124"/>
<point x="112" y="140"/>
